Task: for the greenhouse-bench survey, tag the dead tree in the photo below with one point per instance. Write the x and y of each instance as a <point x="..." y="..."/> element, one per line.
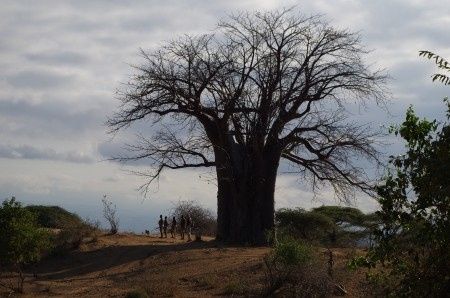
<point x="109" y="213"/>
<point x="263" y="87"/>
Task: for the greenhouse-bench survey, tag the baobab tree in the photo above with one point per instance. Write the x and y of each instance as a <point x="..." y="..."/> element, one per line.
<point x="262" y="87"/>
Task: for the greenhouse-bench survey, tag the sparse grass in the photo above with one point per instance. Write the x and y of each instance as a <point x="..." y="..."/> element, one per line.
<point x="137" y="294"/>
<point x="208" y="281"/>
<point x="236" y="287"/>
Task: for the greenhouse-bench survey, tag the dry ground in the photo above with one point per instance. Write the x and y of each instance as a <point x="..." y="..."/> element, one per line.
<point x="116" y="265"/>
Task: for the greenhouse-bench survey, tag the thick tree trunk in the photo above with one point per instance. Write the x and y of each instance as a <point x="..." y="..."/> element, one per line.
<point x="245" y="196"/>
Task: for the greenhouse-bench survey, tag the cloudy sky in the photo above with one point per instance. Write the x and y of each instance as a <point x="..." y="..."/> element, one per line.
<point x="61" y="62"/>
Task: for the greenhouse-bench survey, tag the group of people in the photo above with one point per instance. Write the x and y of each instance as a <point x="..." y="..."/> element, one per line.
<point x="185" y="226"/>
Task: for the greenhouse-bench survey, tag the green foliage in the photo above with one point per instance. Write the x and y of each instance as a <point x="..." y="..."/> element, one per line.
<point x="441" y="63"/>
<point x="73" y="229"/>
<point x="302" y="224"/>
<point x="358" y="262"/>
<point x="290" y="268"/>
<point x="414" y="240"/>
<point x="21" y="241"/>
<point x="327" y="224"/>
<point x="291" y="252"/>
<point x="54" y="217"/>
<point x="341" y="214"/>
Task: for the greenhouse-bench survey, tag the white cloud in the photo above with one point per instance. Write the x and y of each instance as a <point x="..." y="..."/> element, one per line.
<point x="61" y="62"/>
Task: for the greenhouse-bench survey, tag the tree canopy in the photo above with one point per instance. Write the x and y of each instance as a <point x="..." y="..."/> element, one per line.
<point x="413" y="240"/>
<point x="261" y="77"/>
<point x="262" y="87"/>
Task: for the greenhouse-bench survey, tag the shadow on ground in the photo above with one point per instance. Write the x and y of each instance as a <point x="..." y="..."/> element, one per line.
<point x="77" y="263"/>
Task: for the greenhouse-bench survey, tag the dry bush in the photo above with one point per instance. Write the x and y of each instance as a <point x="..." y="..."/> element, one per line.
<point x="110" y="214"/>
<point x="203" y="219"/>
<point x="72" y="237"/>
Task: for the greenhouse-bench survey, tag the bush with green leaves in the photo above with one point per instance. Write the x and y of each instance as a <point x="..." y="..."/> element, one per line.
<point x="302" y="224"/>
<point x="54" y="217"/>
<point x="327" y="225"/>
<point x="413" y="245"/>
<point x="349" y="224"/>
<point x="22" y="241"/>
<point x="291" y="269"/>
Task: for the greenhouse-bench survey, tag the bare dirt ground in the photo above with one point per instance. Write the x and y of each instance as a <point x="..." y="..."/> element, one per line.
<point x="114" y="266"/>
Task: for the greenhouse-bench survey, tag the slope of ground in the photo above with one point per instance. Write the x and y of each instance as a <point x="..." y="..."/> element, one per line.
<point x="54" y="217"/>
<point x="116" y="265"/>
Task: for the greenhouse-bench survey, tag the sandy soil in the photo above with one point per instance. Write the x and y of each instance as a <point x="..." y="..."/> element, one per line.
<point x="116" y="265"/>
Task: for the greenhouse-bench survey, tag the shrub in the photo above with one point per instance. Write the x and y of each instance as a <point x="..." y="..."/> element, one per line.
<point x="203" y="219"/>
<point x="54" y="217"/>
<point x="290" y="252"/>
<point x="413" y="243"/>
<point x="290" y="268"/>
<point x="73" y="236"/>
<point x="22" y="241"/>
<point x="109" y="213"/>
<point x="301" y="224"/>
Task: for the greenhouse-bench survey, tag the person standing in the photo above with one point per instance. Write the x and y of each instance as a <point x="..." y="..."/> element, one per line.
<point x="188" y="227"/>
<point x="161" y="223"/>
<point x="173" y="226"/>
<point x="182" y="226"/>
<point x="165" y="225"/>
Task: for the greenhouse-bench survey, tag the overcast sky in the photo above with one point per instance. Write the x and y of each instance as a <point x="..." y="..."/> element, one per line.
<point x="61" y="62"/>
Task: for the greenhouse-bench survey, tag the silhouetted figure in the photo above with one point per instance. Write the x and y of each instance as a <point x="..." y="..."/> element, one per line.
<point x="188" y="227"/>
<point x="173" y="226"/>
<point x="182" y="226"/>
<point x="166" y="224"/>
<point x="161" y="223"/>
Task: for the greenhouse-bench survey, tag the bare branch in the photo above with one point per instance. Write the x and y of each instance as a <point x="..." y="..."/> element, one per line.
<point x="263" y="83"/>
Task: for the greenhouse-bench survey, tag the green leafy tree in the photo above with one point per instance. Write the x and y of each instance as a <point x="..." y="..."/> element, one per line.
<point x="413" y="245"/>
<point x="22" y="241"/>
<point x="342" y="217"/>
<point x="302" y="224"/>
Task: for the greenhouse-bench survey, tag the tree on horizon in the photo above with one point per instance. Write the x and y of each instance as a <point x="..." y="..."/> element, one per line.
<point x="262" y="87"/>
